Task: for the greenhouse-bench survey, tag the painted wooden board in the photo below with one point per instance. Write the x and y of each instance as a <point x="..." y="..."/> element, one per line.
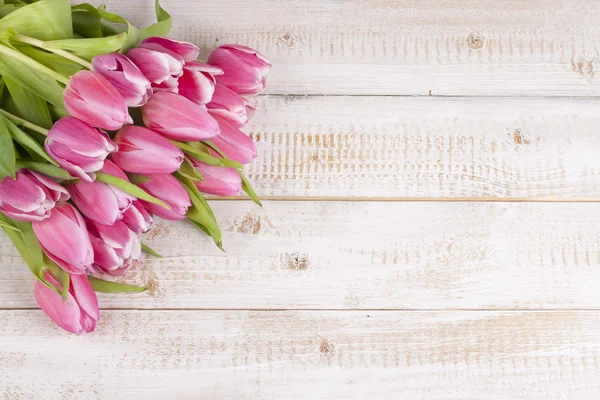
<point x="416" y="47"/>
<point x="426" y="147"/>
<point x="364" y="255"/>
<point x="309" y="354"/>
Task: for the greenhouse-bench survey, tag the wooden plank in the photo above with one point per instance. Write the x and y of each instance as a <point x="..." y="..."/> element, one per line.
<point x="426" y="147"/>
<point x="384" y="47"/>
<point x="295" y="355"/>
<point x="364" y="255"/>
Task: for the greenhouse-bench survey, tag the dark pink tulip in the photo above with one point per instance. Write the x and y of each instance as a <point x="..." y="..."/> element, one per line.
<point x="137" y="218"/>
<point x="198" y="82"/>
<point x="229" y="105"/>
<point x="168" y="189"/>
<point x="234" y="143"/>
<point x="78" y="147"/>
<point x="125" y="76"/>
<point x="64" y="238"/>
<point x="160" y="68"/>
<point x="79" y="313"/>
<point x="178" y="118"/>
<point x="186" y="51"/>
<point x="30" y="197"/>
<point x="116" y="247"/>
<point x="143" y="151"/>
<point x="100" y="201"/>
<point x="92" y="98"/>
<point x="245" y="69"/>
<point x="220" y="181"/>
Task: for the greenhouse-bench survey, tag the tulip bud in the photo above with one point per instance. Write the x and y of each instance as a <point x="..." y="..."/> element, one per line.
<point x="143" y="151"/>
<point x="234" y="143"/>
<point x="100" y="201"/>
<point x="168" y="189"/>
<point x="123" y="74"/>
<point x="30" y="196"/>
<point x="244" y="69"/>
<point x="64" y="238"/>
<point x="79" y="313"/>
<point x="229" y="105"/>
<point x="93" y="99"/>
<point x="178" y="118"/>
<point x="220" y="181"/>
<point x="78" y="147"/>
<point x="184" y="50"/>
<point x="159" y="68"/>
<point x="137" y="218"/>
<point x="115" y="247"/>
<point x="198" y="82"/>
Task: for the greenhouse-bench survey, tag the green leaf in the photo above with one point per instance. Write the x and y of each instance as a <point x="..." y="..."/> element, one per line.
<point x="5" y="225"/>
<point x="62" y="276"/>
<point x="53" y="61"/>
<point x="86" y="20"/>
<point x="6" y="9"/>
<point x="27" y="142"/>
<point x="45" y="168"/>
<point x="188" y="170"/>
<point x="44" y="20"/>
<point x="7" y="153"/>
<point x="148" y="250"/>
<point x="160" y="28"/>
<point x="132" y="37"/>
<point x="198" y="151"/>
<point x="89" y="48"/>
<point x="129" y="188"/>
<point x="100" y="285"/>
<point x="136" y="179"/>
<point x="29" y="106"/>
<point x="247" y="187"/>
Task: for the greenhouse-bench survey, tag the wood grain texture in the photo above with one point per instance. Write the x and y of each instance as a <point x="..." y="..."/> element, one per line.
<point x="299" y="355"/>
<point x="426" y="147"/>
<point x="364" y="255"/>
<point x="393" y="47"/>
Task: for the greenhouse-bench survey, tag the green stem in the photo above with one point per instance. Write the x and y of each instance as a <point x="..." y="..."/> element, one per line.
<point x="17" y="55"/>
<point x="42" y="45"/>
<point x="21" y="122"/>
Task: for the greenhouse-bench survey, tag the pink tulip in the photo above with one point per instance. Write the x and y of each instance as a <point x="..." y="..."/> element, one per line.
<point x="143" y="151"/>
<point x="78" y="147"/>
<point x="184" y="50"/>
<point x="92" y="98"/>
<point x="64" y="238"/>
<point x="123" y="74"/>
<point x="137" y="218"/>
<point x="234" y="143"/>
<point x="168" y="189"/>
<point x="220" y="181"/>
<point x="178" y="118"/>
<point x="116" y="247"/>
<point x="30" y="197"/>
<point x="229" y="105"/>
<point x="198" y="82"/>
<point x="79" y="313"/>
<point x="100" y="201"/>
<point x="244" y="69"/>
<point x="160" y="68"/>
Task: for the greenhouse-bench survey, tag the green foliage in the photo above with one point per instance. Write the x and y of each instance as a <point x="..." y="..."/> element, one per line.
<point x="100" y="285"/>
<point x="44" y="20"/>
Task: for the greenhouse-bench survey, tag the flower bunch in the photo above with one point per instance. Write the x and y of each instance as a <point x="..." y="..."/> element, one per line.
<point x="103" y="128"/>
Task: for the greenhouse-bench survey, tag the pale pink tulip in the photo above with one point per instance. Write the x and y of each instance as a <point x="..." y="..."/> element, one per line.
<point x="143" y="151"/>
<point x="30" y="197"/>
<point x="159" y="68"/>
<point x="229" y="105"/>
<point x="100" y="201"/>
<point x="186" y="51"/>
<point x="198" y="82"/>
<point x="178" y="118"/>
<point x="245" y="69"/>
<point x="79" y="313"/>
<point x="234" y="143"/>
<point x="116" y="247"/>
<point x="220" y="181"/>
<point x="92" y="98"/>
<point x="64" y="238"/>
<point x="137" y="218"/>
<point x="78" y="147"/>
<point x="168" y="189"/>
<point x="125" y="76"/>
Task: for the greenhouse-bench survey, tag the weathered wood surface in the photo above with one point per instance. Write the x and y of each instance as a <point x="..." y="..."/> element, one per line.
<point x="396" y="47"/>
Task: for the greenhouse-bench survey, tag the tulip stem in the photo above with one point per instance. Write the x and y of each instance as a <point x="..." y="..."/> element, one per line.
<point x="17" y="55"/>
<point x="44" y="45"/>
<point x="21" y="122"/>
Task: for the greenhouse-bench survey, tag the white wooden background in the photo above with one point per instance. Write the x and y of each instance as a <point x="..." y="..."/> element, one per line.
<point x="430" y="231"/>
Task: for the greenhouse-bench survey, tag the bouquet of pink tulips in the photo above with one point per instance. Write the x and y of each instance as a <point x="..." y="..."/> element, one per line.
<point x="103" y="127"/>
